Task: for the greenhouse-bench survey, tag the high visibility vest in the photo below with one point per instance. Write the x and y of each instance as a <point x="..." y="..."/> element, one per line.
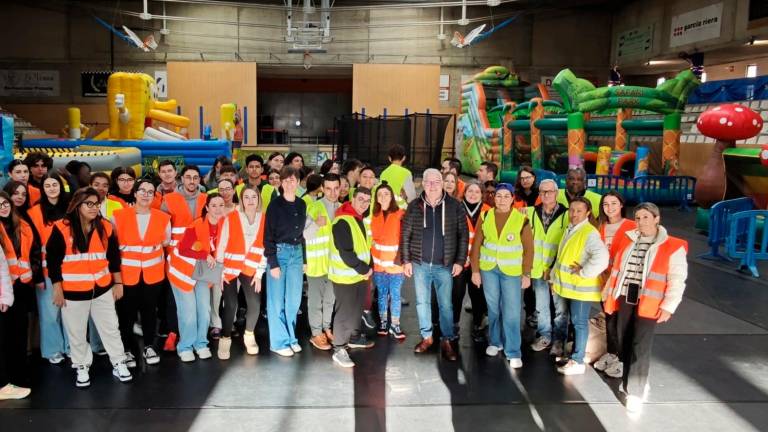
<point x="395" y="176"/>
<point x="19" y="265"/>
<point x="266" y="196"/>
<point x="504" y="249"/>
<point x="339" y="272"/>
<point x="181" y="218"/>
<point x="118" y="200"/>
<point x="83" y="271"/>
<point x="592" y="197"/>
<point x="34" y="194"/>
<point x="385" y="241"/>
<point x="35" y="213"/>
<point x="318" y="248"/>
<point x="654" y="278"/>
<point x="570" y="285"/>
<point x="180" y="267"/>
<point x="472" y="228"/>
<point x="112" y="205"/>
<point x="236" y="258"/>
<point x="545" y="244"/>
<point x="141" y="258"/>
<point x="626" y="225"/>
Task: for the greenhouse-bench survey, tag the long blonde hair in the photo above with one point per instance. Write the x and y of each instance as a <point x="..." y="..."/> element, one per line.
<point x="258" y="194"/>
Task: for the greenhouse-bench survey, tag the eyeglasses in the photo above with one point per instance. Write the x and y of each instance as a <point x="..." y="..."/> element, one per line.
<point x="91" y="204"/>
<point x="546" y="192"/>
<point x="225" y="189"/>
<point x="126" y="179"/>
<point x="5" y="205"/>
<point x="145" y="192"/>
<point x="522" y="178"/>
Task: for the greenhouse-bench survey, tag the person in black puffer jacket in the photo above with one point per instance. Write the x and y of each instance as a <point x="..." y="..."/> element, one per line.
<point x="433" y="247"/>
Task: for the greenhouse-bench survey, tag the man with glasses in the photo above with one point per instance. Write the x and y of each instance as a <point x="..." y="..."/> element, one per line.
<point x="433" y="247"/>
<point x="548" y="222"/>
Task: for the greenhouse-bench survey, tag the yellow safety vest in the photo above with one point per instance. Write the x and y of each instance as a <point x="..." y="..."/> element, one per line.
<point x="571" y="285"/>
<point x="592" y="197"/>
<point x="545" y="243"/>
<point x="505" y="250"/>
<point x="395" y="176"/>
<point x="318" y="248"/>
<point x="339" y="272"/>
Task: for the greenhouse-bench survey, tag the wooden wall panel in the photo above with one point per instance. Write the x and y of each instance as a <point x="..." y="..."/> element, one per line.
<point x="211" y="84"/>
<point x="395" y="87"/>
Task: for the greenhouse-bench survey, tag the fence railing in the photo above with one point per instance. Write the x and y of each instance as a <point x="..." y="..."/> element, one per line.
<point x="664" y="190"/>
<point x="747" y="238"/>
<point x="719" y="223"/>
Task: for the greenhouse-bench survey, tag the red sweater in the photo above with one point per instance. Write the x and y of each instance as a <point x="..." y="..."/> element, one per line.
<point x="189" y="239"/>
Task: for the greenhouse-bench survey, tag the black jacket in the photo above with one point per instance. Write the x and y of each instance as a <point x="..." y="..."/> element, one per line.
<point x="456" y="234"/>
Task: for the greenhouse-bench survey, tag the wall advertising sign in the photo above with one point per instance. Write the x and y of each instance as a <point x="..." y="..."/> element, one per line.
<point x="696" y="25"/>
<point x="29" y="83"/>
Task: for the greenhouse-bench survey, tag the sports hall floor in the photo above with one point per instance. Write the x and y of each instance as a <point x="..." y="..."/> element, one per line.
<point x="709" y="372"/>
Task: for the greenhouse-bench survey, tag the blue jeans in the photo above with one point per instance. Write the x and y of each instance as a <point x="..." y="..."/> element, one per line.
<point x="388" y="286"/>
<point x="194" y="312"/>
<point x="560" y="330"/>
<point x="580" y="319"/>
<point x="543" y="294"/>
<point x="53" y="338"/>
<point x="424" y="275"/>
<point x="503" y="294"/>
<point x="284" y="297"/>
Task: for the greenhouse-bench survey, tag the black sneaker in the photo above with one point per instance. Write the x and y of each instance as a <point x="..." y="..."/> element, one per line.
<point x="368" y="320"/>
<point x="383" y="328"/>
<point x="396" y="332"/>
<point x="360" y="342"/>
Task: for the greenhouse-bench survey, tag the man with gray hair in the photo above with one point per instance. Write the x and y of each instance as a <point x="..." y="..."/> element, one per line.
<point x="433" y="248"/>
<point x="548" y="223"/>
<point x="576" y="186"/>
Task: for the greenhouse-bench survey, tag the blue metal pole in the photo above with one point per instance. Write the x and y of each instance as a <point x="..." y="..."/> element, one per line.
<point x="245" y="125"/>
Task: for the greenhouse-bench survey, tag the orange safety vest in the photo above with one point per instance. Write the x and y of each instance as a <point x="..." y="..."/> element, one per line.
<point x="655" y="287"/>
<point x="34" y="194"/>
<point x="181" y="218"/>
<point x="157" y="201"/>
<point x="626" y="225"/>
<point x="35" y="213"/>
<point x="236" y="259"/>
<point x="141" y="258"/>
<point x="180" y="267"/>
<point x="82" y="271"/>
<point x="385" y="236"/>
<point x="19" y="266"/>
<point x="472" y="228"/>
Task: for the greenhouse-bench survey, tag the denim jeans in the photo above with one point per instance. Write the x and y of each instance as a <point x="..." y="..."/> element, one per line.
<point x="424" y="275"/>
<point x="193" y="309"/>
<point x="53" y="338"/>
<point x="580" y="319"/>
<point x="543" y="296"/>
<point x="284" y="297"/>
<point x="503" y="294"/>
<point x="388" y="286"/>
<point x="560" y="329"/>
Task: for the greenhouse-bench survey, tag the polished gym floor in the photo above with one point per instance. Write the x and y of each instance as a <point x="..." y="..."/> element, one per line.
<point x="709" y="372"/>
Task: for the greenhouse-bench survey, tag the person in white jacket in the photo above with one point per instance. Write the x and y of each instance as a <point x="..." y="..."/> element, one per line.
<point x="644" y="289"/>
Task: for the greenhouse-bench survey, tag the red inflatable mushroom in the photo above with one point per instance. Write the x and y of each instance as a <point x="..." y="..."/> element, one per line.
<point x="726" y="123"/>
<point x="730" y="122"/>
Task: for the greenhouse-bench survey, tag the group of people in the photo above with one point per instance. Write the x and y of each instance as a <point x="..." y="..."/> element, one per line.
<point x="173" y="259"/>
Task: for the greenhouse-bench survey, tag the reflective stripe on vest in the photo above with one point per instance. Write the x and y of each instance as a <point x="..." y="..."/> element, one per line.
<point x="385" y="241"/>
<point x="181" y="218"/>
<point x="570" y="285"/>
<point x="141" y="258"/>
<point x="545" y="244"/>
<point x="83" y="271"/>
<point x="236" y="258"/>
<point x="339" y="272"/>
<point x="318" y="247"/>
<point x="504" y="250"/>
<point x="19" y="267"/>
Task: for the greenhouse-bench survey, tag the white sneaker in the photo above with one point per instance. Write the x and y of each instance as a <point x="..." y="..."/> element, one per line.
<point x="249" y="340"/>
<point x="83" y="377"/>
<point x="572" y="368"/>
<point x="56" y="358"/>
<point x="605" y="361"/>
<point x="341" y="358"/>
<point x="557" y="349"/>
<point x="187" y="356"/>
<point x="150" y="356"/>
<point x="615" y="370"/>
<point x="130" y="360"/>
<point x="12" y="392"/>
<point x="137" y="329"/>
<point x="285" y="352"/>
<point x="204" y="353"/>
<point x="296" y="348"/>
<point x="540" y="344"/>
<point x="121" y="372"/>
<point x="492" y="351"/>
<point x="515" y="363"/>
<point x="223" y="351"/>
<point x="634" y="404"/>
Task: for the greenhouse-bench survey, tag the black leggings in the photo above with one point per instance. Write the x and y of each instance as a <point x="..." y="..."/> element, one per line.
<point x="139" y="298"/>
<point x="13" y="337"/>
<point x="461" y="284"/>
<point x="252" y="299"/>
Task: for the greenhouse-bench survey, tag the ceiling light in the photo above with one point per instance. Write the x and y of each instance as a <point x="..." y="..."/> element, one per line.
<point x="493" y="3"/>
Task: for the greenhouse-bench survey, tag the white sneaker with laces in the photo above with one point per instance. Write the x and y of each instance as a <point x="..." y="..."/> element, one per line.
<point x="615" y="370"/>
<point x="224" y="344"/>
<point x="12" y="392"/>
<point x="187" y="356"/>
<point x="341" y="358"/>
<point x="605" y="361"/>
<point x="492" y="351"/>
<point x="515" y="363"/>
<point x="150" y="356"/>
<point x="249" y="340"/>
<point x="284" y="352"/>
<point x="296" y="348"/>
<point x="83" y="377"/>
<point x="204" y="353"/>
<point x="572" y="368"/>
<point x="56" y="358"/>
<point x="121" y="372"/>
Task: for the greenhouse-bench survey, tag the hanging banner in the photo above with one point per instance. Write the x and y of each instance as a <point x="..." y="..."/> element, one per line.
<point x="94" y="84"/>
<point x="696" y="25"/>
<point x="29" y="83"/>
<point x="635" y="42"/>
